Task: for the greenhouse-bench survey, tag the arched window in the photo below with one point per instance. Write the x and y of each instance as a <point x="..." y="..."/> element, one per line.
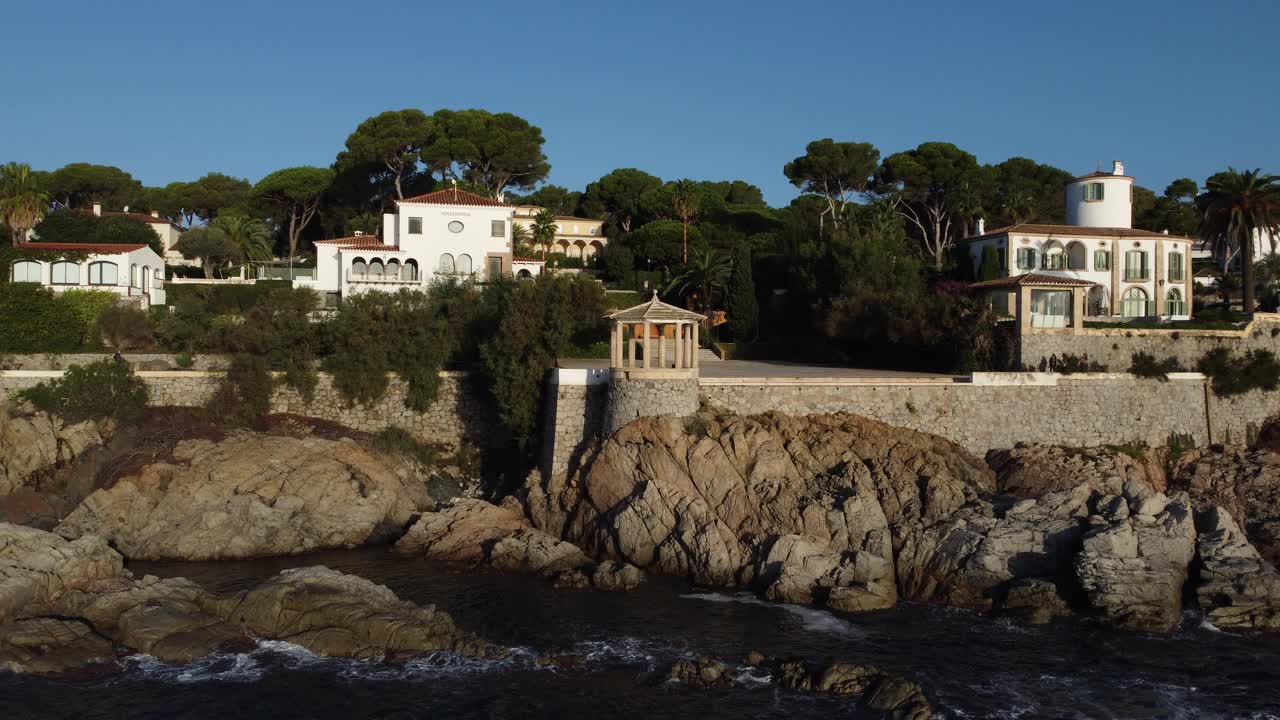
<point x="1054" y="257"/>
<point x="358" y="268"/>
<point x="26" y="271"/>
<point x="1134" y="303"/>
<point x="133" y="276"/>
<point x="393" y="270"/>
<point x="375" y="269"/>
<point x="1077" y="256"/>
<point x="446" y="263"/>
<point x="1176" y="268"/>
<point x="65" y="273"/>
<point x="104" y="273"/>
<point x="464" y="264"/>
<point x="1173" y="302"/>
<point x="146" y="278"/>
<point x="409" y="272"/>
<point x="157" y="274"/>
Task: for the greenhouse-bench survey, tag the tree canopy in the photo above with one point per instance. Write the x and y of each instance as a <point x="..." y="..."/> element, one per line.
<point x="80" y="226"/>
<point x="937" y="186"/>
<point x="835" y="170"/>
<point x="388" y="144"/>
<point x="297" y="192"/>
<point x="210" y="245"/>
<point x="495" y="151"/>
<point x="617" y="196"/>
<point x="79" y="185"/>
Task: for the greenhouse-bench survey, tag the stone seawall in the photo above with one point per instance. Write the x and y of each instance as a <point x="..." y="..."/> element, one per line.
<point x="1001" y="410"/>
<point x="574" y="414"/>
<point x="1114" y="347"/>
<point x="460" y="415"/>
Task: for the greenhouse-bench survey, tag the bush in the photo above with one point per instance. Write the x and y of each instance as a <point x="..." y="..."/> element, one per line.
<point x="87" y="307"/>
<point x="619" y="262"/>
<point x="100" y="390"/>
<point x="124" y="328"/>
<point x="245" y="394"/>
<point x="398" y="441"/>
<point x="1145" y="365"/>
<point x="560" y="260"/>
<point x="280" y="331"/>
<point x="222" y="299"/>
<point x="35" y="320"/>
<point x="185" y="360"/>
<point x="1237" y="374"/>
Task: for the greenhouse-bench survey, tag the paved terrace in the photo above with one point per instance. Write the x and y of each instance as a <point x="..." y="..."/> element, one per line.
<point x="754" y="372"/>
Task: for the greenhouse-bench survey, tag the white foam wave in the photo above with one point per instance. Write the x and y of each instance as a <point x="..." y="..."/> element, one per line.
<point x="238" y="667"/>
<point x="812" y="618"/>
<point x="617" y="651"/>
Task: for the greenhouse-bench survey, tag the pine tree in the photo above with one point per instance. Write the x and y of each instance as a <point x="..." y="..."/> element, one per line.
<point x="744" y="313"/>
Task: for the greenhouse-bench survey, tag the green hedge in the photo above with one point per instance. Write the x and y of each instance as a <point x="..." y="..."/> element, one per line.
<point x="34" y="319"/>
<point x="223" y="299"/>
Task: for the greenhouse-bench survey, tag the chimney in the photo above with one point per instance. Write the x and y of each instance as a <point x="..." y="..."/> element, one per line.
<point x="982" y="226"/>
<point x="1117" y="167"/>
<point x="155" y="213"/>
<point x="359" y="233"/>
<point x="97" y="209"/>
<point x="126" y="208"/>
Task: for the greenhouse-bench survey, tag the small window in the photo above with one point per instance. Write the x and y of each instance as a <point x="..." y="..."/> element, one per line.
<point x="1101" y="260"/>
<point x="104" y="273"/>
<point x="65" y="273"/>
<point x="446" y="262"/>
<point x="415" y="226"/>
<point x="133" y="276"/>
<point x="498" y="228"/>
<point x="1175" y="267"/>
<point x="26" y="271"/>
<point x="1094" y="192"/>
<point x="1054" y="261"/>
<point x="455" y="227"/>
<point x="1026" y="258"/>
<point x="1135" y="265"/>
<point x="157" y="274"/>
<point x="358" y="268"/>
<point x="464" y="264"/>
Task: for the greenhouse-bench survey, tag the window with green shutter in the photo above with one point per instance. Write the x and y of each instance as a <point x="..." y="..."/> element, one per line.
<point x="1026" y="258"/>
<point x="1093" y="192"/>
<point x="1175" y="267"/>
<point x="1135" y="265"/>
<point x="1101" y="260"/>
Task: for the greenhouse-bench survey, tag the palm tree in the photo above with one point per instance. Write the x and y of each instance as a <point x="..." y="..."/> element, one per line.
<point x="544" y="230"/>
<point x="22" y="203"/>
<point x="1237" y="209"/>
<point x="1226" y="286"/>
<point x="520" y="238"/>
<point x="705" y="276"/>
<point x="1018" y="205"/>
<point x="1267" y="270"/>
<point x="250" y="237"/>
<point x="686" y="201"/>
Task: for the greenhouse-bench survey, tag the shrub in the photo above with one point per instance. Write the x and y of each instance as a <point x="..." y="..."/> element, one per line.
<point x="280" y="331"/>
<point x="560" y="260"/>
<point x="398" y="441"/>
<point x="1069" y="364"/>
<point x="32" y="321"/>
<point x="1236" y="374"/>
<point x="124" y="328"/>
<point x="104" y="389"/>
<point x="222" y="299"/>
<point x="185" y="360"/>
<point x="87" y="307"/>
<point x="245" y="394"/>
<point x="1145" y="365"/>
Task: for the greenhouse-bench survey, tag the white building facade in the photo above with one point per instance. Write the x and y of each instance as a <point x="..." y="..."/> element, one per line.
<point x="575" y="236"/>
<point x="134" y="272"/>
<point x="1133" y="273"/>
<point x="444" y="234"/>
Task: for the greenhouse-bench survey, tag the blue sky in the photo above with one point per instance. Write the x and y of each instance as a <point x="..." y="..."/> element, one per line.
<point x="172" y="90"/>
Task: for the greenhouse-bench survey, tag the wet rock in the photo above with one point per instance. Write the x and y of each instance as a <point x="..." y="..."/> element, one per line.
<point x="700" y="673"/>
<point x="799" y="570"/>
<point x="1133" y="568"/>
<point x="560" y="660"/>
<point x="754" y="658"/>
<point x="37" y="567"/>
<point x="250" y="495"/>
<point x="1035" y="600"/>
<point x="1245" y="483"/>
<point x="610" y="575"/>
<point x="1237" y="589"/>
<point x="573" y="579"/>
<point x="874" y="689"/>
<point x="53" y="646"/>
<point x="333" y="614"/>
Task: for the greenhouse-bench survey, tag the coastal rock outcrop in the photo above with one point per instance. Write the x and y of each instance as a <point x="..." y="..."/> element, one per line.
<point x="251" y="495"/>
<point x="1245" y="483"/>
<point x="478" y="533"/>
<point x="32" y="442"/>
<point x="37" y="568"/>
<point x="1134" y="561"/>
<point x="1237" y="589"/>
<point x="52" y="646"/>
<point x="1030" y="470"/>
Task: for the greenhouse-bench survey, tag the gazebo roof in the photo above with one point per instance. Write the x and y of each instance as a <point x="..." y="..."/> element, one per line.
<point x="655" y="311"/>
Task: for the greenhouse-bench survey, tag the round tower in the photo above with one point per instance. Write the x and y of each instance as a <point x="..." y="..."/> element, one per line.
<point x="1101" y="199"/>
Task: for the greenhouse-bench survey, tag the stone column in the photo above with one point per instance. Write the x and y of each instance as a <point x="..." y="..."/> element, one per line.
<point x="1116" y="259"/>
<point x="1157" y="280"/>
<point x="631" y="345"/>
<point x="647" y="344"/>
<point x="694" y="349"/>
<point x="679" y="345"/>
<point x="1077" y="310"/>
<point x="662" y="346"/>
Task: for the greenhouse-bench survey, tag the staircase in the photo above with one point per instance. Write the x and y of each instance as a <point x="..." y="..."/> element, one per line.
<point x="707" y="355"/>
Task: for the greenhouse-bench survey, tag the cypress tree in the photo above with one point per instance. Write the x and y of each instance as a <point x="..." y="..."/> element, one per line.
<point x="990" y="264"/>
<point x="744" y="312"/>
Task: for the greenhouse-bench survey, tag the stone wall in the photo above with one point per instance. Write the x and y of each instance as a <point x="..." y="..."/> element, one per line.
<point x="139" y="361"/>
<point x="1000" y="410"/>
<point x="573" y="417"/>
<point x="461" y="414"/>
<point x="634" y="398"/>
<point x="1114" y="347"/>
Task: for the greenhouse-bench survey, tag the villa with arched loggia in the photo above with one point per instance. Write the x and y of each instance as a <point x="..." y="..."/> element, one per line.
<point x="443" y="234"/>
<point x="1126" y="272"/>
<point x="133" y="271"/>
<point x="575" y="237"/>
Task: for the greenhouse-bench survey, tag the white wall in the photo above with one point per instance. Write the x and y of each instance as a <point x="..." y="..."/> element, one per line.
<point x="129" y="283"/>
<point x="1115" y="209"/>
<point x="475" y="240"/>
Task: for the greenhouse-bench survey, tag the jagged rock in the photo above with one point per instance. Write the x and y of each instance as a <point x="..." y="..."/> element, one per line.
<point x="1030" y="470"/>
<point x="37" y="567"/>
<point x="33" y="441"/>
<point x="250" y="495"/>
<point x="560" y="660"/>
<point x="707" y="505"/>
<point x="1133" y="564"/>
<point x="894" y="696"/>
<point x="799" y="570"/>
<point x="1245" y="483"/>
<point x="1035" y="600"/>
<point x="754" y="658"/>
<point x="52" y="646"/>
<point x="1237" y="589"/>
<point x="610" y="575"/>
<point x="700" y="673"/>
<point x="333" y="614"/>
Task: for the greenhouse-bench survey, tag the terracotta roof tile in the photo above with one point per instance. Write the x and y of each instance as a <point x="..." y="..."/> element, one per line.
<point x="362" y="242"/>
<point x="527" y="260"/>
<point x="1031" y="279"/>
<point x="454" y="196"/>
<point x="1075" y="231"/>
<point x="96" y="248"/>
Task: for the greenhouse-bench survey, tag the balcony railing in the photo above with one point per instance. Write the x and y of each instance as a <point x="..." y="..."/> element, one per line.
<point x="1132" y="274"/>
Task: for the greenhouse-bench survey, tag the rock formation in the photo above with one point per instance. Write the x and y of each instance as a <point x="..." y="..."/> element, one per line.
<point x="1030" y="470"/>
<point x="1237" y="588"/>
<point x="1245" y="483"/>
<point x="478" y="533"/>
<point x="64" y="603"/>
<point x="32" y="442"/>
<point x="251" y="495"/>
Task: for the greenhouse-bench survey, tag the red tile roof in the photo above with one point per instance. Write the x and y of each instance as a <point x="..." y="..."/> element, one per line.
<point x="527" y="260"/>
<point x="362" y="242"/>
<point x="454" y="196"/>
<point x="95" y="248"/>
<point x="1031" y="279"/>
<point x="1098" y="174"/>
<point x="1076" y="231"/>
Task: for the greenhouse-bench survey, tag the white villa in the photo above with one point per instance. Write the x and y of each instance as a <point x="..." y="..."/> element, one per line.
<point x="131" y="271"/>
<point x="446" y="233"/>
<point x="1126" y="272"/>
<point x="163" y="228"/>
<point x="575" y="236"/>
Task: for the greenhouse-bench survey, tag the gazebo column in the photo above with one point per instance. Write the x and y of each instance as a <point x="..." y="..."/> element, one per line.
<point x="647" y="344"/>
<point x="693" y="350"/>
<point x="615" y="345"/>
<point x="662" y="346"/>
<point x="631" y="346"/>
<point x="679" y="345"/>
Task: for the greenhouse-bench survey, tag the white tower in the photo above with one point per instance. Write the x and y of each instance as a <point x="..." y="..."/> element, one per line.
<point x="1101" y="199"/>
